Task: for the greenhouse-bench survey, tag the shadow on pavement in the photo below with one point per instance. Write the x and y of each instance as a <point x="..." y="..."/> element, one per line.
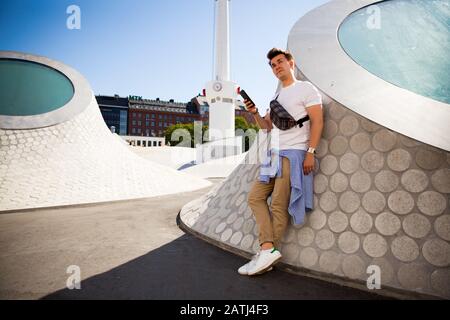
<point x="191" y="269"/>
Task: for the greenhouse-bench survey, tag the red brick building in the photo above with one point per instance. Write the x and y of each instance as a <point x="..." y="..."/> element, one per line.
<point x="152" y="117"/>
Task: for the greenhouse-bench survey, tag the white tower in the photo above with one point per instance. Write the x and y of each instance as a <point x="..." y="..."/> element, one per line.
<point x="221" y="93"/>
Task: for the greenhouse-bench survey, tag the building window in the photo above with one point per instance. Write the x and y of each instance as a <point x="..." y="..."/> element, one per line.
<point x="147" y="117"/>
<point x="147" y="132"/>
<point x="133" y="130"/>
<point x="154" y="143"/>
<point x="134" y="115"/>
<point x="147" y="123"/>
<point x="123" y="122"/>
<point x="165" y="116"/>
<point x="134" y="122"/>
<point x="139" y="143"/>
<point x="160" y="116"/>
<point x="160" y="124"/>
<point x="153" y="116"/>
<point x="139" y="130"/>
<point x="139" y="115"/>
<point x="153" y="123"/>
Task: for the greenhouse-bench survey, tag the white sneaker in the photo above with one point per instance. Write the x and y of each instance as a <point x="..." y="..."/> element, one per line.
<point x="264" y="261"/>
<point x="244" y="269"/>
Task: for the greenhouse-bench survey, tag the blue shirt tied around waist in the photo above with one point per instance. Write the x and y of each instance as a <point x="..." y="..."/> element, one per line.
<point x="301" y="200"/>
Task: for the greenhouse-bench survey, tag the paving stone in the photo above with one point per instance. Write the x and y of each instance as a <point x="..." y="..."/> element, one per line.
<point x="349" y="202"/>
<point x="226" y="235"/>
<point x="360" y="181"/>
<point x="349" y="125"/>
<point x="441" y="180"/>
<point x="348" y="242"/>
<point x="413" y="276"/>
<point x="431" y="203"/>
<point x="330" y="129"/>
<point x="369" y="126"/>
<point x="247" y="241"/>
<point x="337" y="221"/>
<point x="361" y="222"/>
<point x="429" y="159"/>
<point x="386" y="181"/>
<point x="372" y="161"/>
<point x="384" y="140"/>
<point x="375" y="245"/>
<point x="329" y="261"/>
<point x="320" y="183"/>
<point x="322" y="149"/>
<point x="349" y="163"/>
<point x="405" y="249"/>
<point x="338" y="145"/>
<point x="236" y="238"/>
<point x="353" y="267"/>
<point x="338" y="182"/>
<point x="336" y="111"/>
<point x="305" y="236"/>
<point x="416" y="225"/>
<point x="328" y="201"/>
<point x="308" y="257"/>
<point x="325" y="239"/>
<point x="360" y="142"/>
<point x="414" y="180"/>
<point x="317" y="219"/>
<point x="328" y="165"/>
<point x="440" y="280"/>
<point x="373" y="201"/>
<point x="400" y="202"/>
<point x="399" y="160"/>
<point x="442" y="226"/>
<point x="437" y="252"/>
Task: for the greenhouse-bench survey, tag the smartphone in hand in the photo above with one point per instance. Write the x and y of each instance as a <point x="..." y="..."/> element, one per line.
<point x="245" y="96"/>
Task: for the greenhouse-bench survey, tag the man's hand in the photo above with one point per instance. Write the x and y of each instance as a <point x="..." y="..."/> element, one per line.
<point x="308" y="163"/>
<point x="250" y="106"/>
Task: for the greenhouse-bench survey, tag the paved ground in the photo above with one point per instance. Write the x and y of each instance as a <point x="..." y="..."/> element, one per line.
<point x="133" y="250"/>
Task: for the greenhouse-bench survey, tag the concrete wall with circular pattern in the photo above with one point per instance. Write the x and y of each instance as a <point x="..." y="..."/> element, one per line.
<point x="79" y="161"/>
<point x="381" y="199"/>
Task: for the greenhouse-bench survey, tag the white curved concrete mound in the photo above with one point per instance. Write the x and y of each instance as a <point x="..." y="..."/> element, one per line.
<point x="78" y="160"/>
<point x="381" y="198"/>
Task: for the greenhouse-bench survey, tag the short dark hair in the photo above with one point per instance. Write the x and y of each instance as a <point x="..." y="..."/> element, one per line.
<point x="275" y="51"/>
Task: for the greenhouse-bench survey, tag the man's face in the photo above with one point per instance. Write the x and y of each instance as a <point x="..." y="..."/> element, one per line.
<point x="281" y="67"/>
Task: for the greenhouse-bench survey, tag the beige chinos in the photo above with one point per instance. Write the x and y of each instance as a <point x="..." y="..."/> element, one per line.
<point x="272" y="226"/>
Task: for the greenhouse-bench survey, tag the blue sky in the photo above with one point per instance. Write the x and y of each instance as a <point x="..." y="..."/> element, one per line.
<point x="153" y="48"/>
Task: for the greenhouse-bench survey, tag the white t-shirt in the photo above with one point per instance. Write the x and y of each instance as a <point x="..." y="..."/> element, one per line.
<point x="295" y="99"/>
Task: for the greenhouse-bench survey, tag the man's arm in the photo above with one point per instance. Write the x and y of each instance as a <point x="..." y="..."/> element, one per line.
<point x="263" y="123"/>
<point x="316" y="119"/>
